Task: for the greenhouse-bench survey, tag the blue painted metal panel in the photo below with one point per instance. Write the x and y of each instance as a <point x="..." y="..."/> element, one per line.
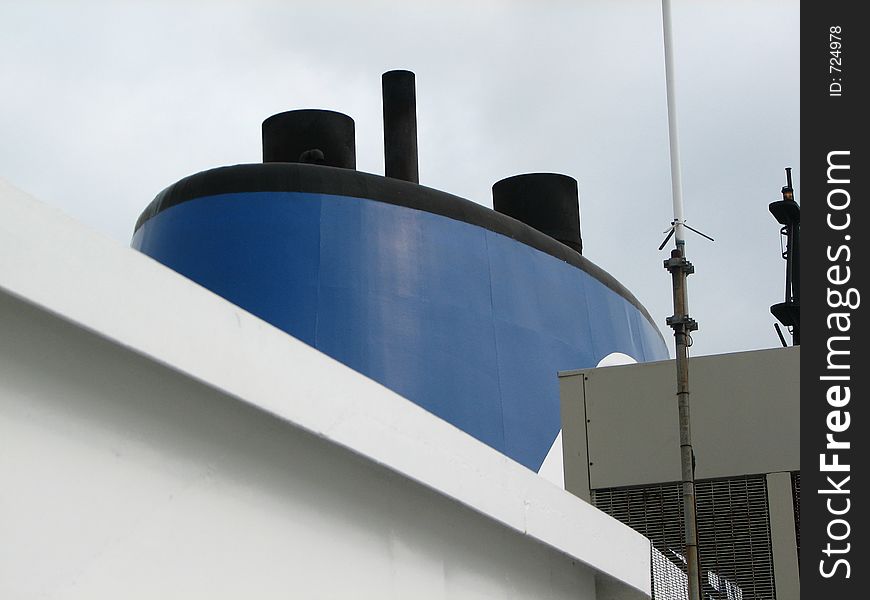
<point x="426" y="327"/>
<point x="467" y="323"/>
<point x="612" y="324"/>
<point x="651" y="342"/>
<point x="262" y="255"/>
<point x="538" y="294"/>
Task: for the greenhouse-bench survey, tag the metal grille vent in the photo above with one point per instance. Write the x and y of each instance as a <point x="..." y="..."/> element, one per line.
<point x="796" y="498"/>
<point x="734" y="538"/>
<point x="656" y="511"/>
<point x="733" y="535"/>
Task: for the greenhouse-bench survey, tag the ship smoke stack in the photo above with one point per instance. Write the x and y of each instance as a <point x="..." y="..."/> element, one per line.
<point x="321" y="137"/>
<point x="400" y="126"/>
<point x="549" y="202"/>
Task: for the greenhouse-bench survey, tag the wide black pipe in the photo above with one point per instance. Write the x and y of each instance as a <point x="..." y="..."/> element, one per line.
<point x="400" y="126"/>
<point x="549" y="202"/>
<point x="321" y="137"/>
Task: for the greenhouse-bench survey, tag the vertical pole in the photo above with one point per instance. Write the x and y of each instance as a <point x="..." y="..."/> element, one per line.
<point x="679" y="268"/>
<point x="788" y="213"/>
<point x="683" y="325"/>
<point x="793" y="265"/>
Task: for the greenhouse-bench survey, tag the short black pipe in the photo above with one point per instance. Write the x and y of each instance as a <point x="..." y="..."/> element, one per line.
<point x="321" y="137"/>
<point x="549" y="202"/>
<point x="400" y="126"/>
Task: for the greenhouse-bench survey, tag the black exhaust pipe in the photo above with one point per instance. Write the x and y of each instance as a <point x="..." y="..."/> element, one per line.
<point x="549" y="202"/>
<point x="400" y="126"/>
<point x="322" y="137"/>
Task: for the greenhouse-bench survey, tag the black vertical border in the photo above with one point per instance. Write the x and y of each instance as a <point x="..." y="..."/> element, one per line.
<point x="833" y="123"/>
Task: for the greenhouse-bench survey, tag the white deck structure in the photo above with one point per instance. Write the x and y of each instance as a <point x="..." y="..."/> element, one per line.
<point x="157" y="441"/>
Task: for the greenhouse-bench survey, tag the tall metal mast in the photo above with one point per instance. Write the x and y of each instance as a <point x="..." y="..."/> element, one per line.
<point x="681" y="323"/>
<point x="788" y="213"/>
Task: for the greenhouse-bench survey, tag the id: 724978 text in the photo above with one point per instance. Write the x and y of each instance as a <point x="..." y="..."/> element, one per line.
<point x="835" y="63"/>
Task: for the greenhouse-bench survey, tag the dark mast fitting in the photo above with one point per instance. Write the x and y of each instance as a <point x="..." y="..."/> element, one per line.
<point x="788" y="213"/>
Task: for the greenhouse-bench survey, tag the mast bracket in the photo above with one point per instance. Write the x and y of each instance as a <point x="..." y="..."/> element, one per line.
<point x="679" y="263"/>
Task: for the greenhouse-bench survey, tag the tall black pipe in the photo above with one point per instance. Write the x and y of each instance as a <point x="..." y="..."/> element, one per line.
<point x="549" y="202"/>
<point x="321" y="137"/>
<point x="400" y="126"/>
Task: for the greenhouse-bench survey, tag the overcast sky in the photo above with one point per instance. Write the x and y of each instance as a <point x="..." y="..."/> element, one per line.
<point x="103" y="104"/>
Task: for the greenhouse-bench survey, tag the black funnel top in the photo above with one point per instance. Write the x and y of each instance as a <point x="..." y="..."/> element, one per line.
<point x="320" y="137"/>
<point x="549" y="202"/>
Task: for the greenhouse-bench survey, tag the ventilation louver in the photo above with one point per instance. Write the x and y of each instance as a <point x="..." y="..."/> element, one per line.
<point x="733" y="535"/>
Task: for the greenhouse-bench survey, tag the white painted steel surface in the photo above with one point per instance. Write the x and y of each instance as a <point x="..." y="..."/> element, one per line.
<point x="158" y="441"/>
<point x="553" y="467"/>
<point x="744" y="420"/>
<point x="783" y="536"/>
